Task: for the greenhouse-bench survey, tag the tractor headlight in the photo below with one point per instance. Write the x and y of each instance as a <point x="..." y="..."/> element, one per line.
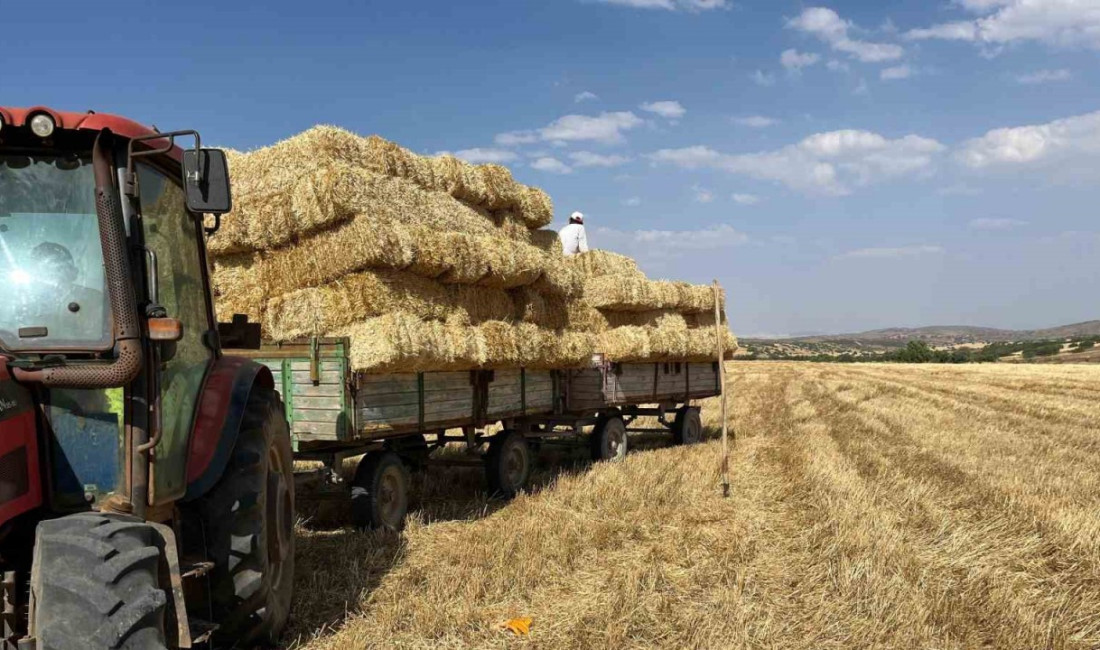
<point x="42" y="125"/>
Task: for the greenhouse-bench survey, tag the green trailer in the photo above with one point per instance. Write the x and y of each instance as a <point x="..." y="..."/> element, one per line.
<point x="395" y="421"/>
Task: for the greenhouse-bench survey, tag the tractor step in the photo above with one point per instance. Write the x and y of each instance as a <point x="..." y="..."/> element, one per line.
<point x="201" y="630"/>
<point x="195" y="568"/>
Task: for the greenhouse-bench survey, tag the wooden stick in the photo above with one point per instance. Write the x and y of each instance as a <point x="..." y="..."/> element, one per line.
<point x="720" y="340"/>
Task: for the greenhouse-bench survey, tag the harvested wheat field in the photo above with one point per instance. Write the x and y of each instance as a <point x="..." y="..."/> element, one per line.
<point x="877" y="506"/>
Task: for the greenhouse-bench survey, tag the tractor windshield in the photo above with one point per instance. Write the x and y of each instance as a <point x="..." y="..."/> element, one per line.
<point x="52" y="287"/>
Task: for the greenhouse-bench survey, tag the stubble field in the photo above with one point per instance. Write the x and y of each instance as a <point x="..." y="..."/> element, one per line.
<point x="872" y="506"/>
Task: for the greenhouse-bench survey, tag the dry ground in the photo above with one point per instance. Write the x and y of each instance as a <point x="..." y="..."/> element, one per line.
<point x="872" y="506"/>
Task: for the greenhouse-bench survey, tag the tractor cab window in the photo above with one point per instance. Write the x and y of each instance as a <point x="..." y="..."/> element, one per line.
<point x="51" y="262"/>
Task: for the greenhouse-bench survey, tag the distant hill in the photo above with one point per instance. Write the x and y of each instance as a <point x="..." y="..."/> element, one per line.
<point x="936" y="336"/>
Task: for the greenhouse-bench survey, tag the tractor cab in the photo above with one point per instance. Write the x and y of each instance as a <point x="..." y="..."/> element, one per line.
<point x="119" y="416"/>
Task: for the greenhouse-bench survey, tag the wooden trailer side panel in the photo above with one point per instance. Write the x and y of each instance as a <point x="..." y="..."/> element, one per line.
<point x="514" y="393"/>
<point x="639" y="383"/>
<point x="407" y="402"/>
<point x="316" y="411"/>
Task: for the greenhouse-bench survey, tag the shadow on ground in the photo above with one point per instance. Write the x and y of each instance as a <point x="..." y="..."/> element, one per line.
<point x="324" y="598"/>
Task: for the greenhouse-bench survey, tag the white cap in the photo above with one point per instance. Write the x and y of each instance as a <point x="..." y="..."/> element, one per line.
<point x="577" y="216"/>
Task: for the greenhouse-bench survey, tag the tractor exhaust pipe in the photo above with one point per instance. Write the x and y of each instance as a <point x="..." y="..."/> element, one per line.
<point x="127" y="334"/>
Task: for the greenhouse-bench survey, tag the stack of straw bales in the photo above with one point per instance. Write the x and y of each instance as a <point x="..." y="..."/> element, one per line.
<point x="424" y="263"/>
<point x="431" y="263"/>
<point x="634" y="318"/>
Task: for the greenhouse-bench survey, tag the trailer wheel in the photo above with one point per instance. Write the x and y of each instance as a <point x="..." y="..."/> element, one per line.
<point x="96" y="584"/>
<point x="247" y="519"/>
<point x="380" y="492"/>
<point x="688" y="426"/>
<point x="609" y="439"/>
<point x="507" y="464"/>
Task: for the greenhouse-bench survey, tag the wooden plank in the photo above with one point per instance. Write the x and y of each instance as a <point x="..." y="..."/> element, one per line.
<point x="317" y="415"/>
<point x="326" y="402"/>
<point x="320" y="430"/>
<point x="324" y="390"/>
<point x="446" y="380"/>
<point x="325" y="376"/>
<point x="392" y="399"/>
<point x="299" y="365"/>
<point x="431" y="410"/>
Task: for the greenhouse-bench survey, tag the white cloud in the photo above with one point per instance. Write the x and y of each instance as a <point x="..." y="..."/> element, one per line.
<point x="745" y="199"/>
<point x="482" y="155"/>
<point x="513" y="138"/>
<point x="1044" y="76"/>
<point x="552" y="165"/>
<point x="663" y="245"/>
<point x="605" y="127"/>
<point x="827" y="25"/>
<point x="861" y="87"/>
<point x="671" y="5"/>
<point x="667" y="109"/>
<point x="761" y="78"/>
<point x="1061" y="23"/>
<point x="830" y="163"/>
<point x="755" y="121"/>
<point x="585" y="97"/>
<point x="1073" y="139"/>
<point x="837" y="66"/>
<point x="895" y="73"/>
<point x="632" y="202"/>
<point x="995" y="224"/>
<point x="794" y="61"/>
<point x="701" y="194"/>
<point x="589" y="159"/>
<point x="904" y="252"/>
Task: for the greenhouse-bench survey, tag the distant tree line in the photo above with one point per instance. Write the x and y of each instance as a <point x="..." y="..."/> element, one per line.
<point x="920" y="352"/>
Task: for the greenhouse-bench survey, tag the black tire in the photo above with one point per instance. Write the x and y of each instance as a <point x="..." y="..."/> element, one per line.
<point x="687" y="429"/>
<point x="248" y="524"/>
<point x="507" y="464"/>
<point x="413" y="450"/>
<point x="380" y="492"/>
<point x="97" y="584"/>
<point x="609" y="439"/>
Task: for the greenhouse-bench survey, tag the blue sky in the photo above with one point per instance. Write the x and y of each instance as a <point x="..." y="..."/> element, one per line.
<point x="837" y="167"/>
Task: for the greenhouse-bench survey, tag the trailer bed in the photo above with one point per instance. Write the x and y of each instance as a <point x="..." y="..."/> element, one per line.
<point x="329" y="405"/>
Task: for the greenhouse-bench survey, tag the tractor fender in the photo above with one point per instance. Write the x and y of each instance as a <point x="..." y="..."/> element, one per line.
<point x="20" y="473"/>
<point x="218" y="420"/>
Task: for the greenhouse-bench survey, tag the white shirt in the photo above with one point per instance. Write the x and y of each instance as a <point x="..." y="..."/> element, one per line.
<point x="573" y="239"/>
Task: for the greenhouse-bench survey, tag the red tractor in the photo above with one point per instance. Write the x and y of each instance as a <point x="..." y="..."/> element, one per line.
<point x="146" y="488"/>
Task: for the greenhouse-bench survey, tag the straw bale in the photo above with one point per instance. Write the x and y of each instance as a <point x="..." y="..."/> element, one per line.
<point x="633" y="343"/>
<point x="238" y="288"/>
<point x="583" y="317"/>
<point x="636" y="293"/>
<point x="511" y="264"/>
<point x="560" y="277"/>
<point x="547" y="240"/>
<point x="401" y="342"/>
<point x="544" y="309"/>
<point x="336" y="193"/>
<point x="663" y="318"/>
<point x="277" y="167"/>
<point x="534" y="207"/>
<point x="598" y="263"/>
<point x="375" y="293"/>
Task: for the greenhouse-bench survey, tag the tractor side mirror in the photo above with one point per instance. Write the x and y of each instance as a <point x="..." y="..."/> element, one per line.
<point x="206" y="181"/>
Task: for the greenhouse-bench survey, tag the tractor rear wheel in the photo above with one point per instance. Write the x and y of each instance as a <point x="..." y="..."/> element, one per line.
<point x="248" y="523"/>
<point x="96" y="584"/>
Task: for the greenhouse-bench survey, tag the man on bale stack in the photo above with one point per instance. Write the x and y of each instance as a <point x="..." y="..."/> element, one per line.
<point x="573" y="239"/>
